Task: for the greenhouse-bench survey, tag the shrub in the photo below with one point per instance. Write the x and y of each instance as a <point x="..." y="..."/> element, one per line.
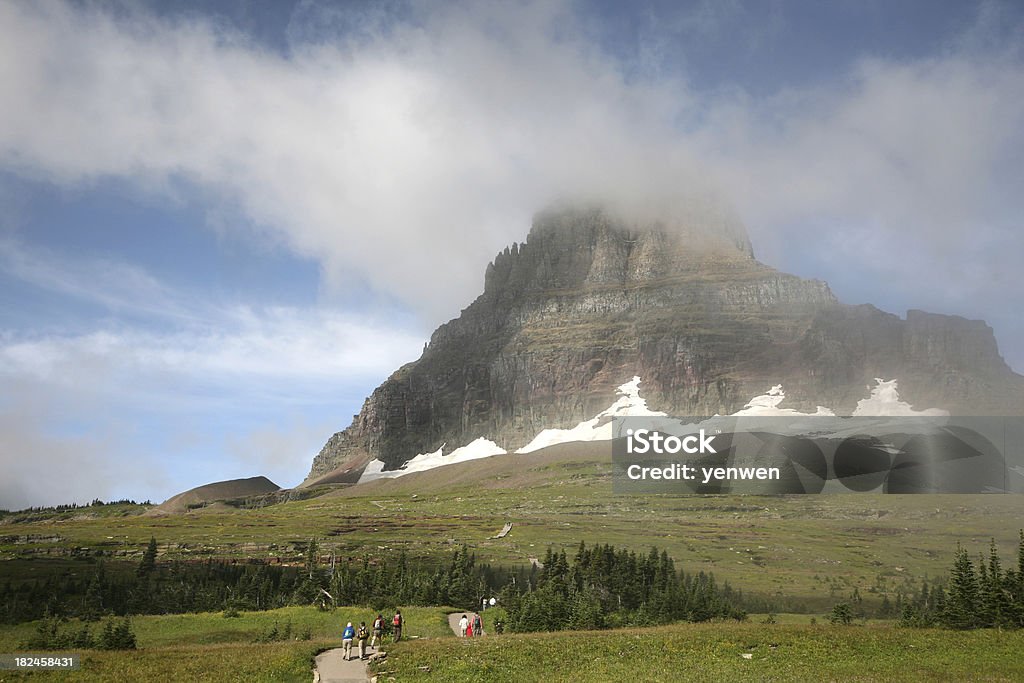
<point x="841" y="614"/>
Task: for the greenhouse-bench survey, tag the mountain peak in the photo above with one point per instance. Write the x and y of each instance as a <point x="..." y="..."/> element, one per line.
<point x="591" y="297"/>
<point x="574" y="246"/>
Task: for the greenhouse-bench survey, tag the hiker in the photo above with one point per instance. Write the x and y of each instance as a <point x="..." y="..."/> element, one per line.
<point x="463" y="626"/>
<point x="478" y="626"/>
<point x="361" y="636"/>
<point x="346" y="641"/>
<point x="469" y="630"/>
<point x="378" y="632"/>
<point x="396" y="624"/>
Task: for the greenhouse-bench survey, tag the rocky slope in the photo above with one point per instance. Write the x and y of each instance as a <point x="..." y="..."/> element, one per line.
<point x="590" y="300"/>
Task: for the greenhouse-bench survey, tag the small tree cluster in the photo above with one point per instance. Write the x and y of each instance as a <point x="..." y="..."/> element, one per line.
<point x="459" y="582"/>
<point x="985" y="595"/>
<point x="608" y="587"/>
<point x="978" y="595"/>
<point x="119" y="637"/>
<point x="51" y="635"/>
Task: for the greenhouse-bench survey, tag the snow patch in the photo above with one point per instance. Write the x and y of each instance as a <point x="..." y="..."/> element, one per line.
<point x="480" y="448"/>
<point x="599" y="427"/>
<point x="374" y="470"/>
<point x="767" y="405"/>
<point x="885" y="401"/>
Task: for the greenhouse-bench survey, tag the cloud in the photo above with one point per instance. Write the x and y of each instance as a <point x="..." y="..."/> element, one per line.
<point x="248" y="357"/>
<point x="178" y="330"/>
<point x="270" y="345"/>
<point x="405" y="150"/>
<point x="36" y="455"/>
<point x="916" y="147"/>
<point x="405" y="160"/>
<point x="114" y="285"/>
<point x="896" y="184"/>
<point x="144" y="414"/>
<point x="281" y="451"/>
<point x="147" y="409"/>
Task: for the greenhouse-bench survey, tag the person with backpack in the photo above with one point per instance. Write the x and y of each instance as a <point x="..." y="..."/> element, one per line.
<point x="362" y="634"/>
<point x="346" y="641"/>
<point x="396" y="624"/>
<point x="378" y="632"/>
<point x="478" y="625"/>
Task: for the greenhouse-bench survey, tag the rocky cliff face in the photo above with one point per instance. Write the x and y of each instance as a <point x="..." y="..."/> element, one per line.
<point x="590" y="300"/>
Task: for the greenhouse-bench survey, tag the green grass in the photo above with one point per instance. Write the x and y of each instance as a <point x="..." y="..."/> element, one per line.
<point x="271" y="662"/>
<point x="713" y="652"/>
<point x="211" y="647"/>
<point x="193" y="647"/>
<point x="811" y="549"/>
<point x="213" y="628"/>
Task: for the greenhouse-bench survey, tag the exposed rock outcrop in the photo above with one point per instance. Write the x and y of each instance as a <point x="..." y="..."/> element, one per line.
<point x="590" y="300"/>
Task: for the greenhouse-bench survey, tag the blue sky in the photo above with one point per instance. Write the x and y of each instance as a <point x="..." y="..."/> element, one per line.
<point x="225" y="223"/>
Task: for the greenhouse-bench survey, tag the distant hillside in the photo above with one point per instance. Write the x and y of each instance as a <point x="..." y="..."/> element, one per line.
<point x="217" y="491"/>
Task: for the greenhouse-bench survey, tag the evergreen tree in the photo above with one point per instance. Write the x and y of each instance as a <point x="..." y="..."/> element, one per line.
<point x="124" y="637"/>
<point x="92" y="602"/>
<point x="841" y="614"/>
<point x="995" y="602"/>
<point x="116" y="636"/>
<point x="312" y="554"/>
<point x="1015" y="585"/>
<point x="148" y="562"/>
<point x="962" y="599"/>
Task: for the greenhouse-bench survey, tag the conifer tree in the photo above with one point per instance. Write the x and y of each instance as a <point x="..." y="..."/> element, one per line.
<point x="148" y="563"/>
<point x="962" y="598"/>
<point x="312" y="551"/>
<point x="995" y="601"/>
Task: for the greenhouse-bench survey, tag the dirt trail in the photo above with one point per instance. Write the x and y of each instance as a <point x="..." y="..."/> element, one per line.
<point x="453" y="621"/>
<point x="331" y="667"/>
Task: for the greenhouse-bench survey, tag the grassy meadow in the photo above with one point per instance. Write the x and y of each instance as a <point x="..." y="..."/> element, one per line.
<point x="797" y="550"/>
<point x="194" y="647"/>
<point x="805" y="553"/>
<point x="715" y="652"/>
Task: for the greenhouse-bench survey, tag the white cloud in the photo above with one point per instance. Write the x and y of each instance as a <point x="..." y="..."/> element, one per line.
<point x="145" y="414"/>
<point x="283" y="451"/>
<point x="149" y="409"/>
<point x="37" y="455"/>
<point x="279" y="343"/>
<point x="408" y="155"/>
<point x="192" y="334"/>
<point x="114" y="285"/>
<point x="898" y="182"/>
<point x="406" y="161"/>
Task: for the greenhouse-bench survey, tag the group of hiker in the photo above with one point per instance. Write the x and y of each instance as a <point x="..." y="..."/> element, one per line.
<point x="362" y="634"/>
<point x="469" y="628"/>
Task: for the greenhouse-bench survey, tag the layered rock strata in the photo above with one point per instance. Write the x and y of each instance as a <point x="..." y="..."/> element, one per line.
<point x="590" y="300"/>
